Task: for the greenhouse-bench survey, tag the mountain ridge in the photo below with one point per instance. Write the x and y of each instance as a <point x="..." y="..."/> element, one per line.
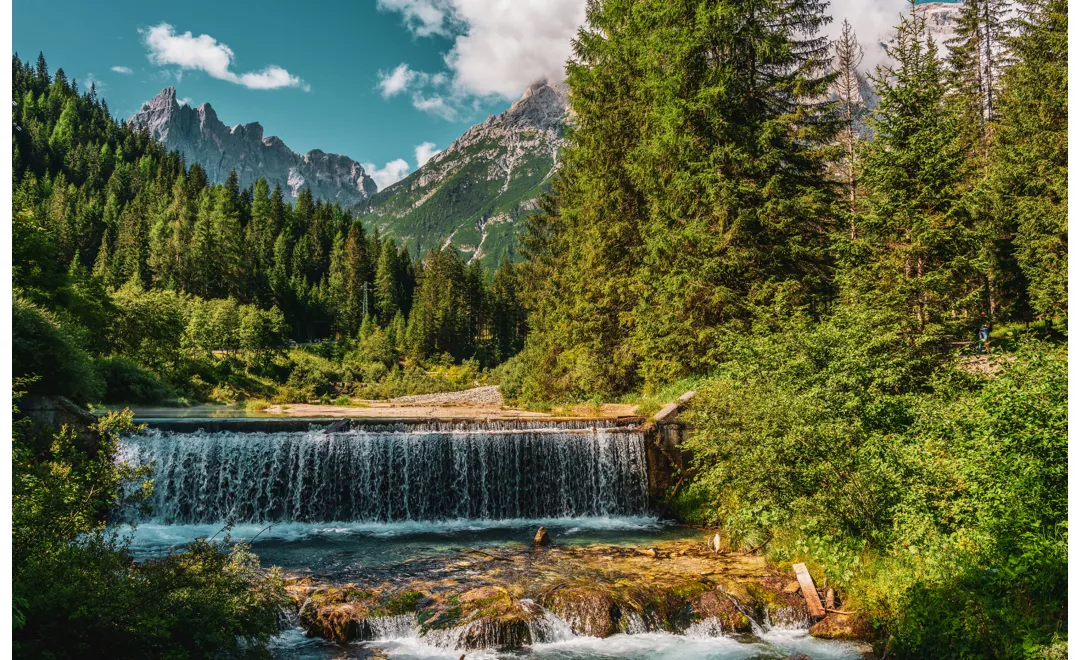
<point x="474" y="193"/>
<point x="203" y="138"/>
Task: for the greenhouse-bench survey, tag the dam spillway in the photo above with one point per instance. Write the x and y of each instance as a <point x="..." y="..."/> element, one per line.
<point x="395" y="472"/>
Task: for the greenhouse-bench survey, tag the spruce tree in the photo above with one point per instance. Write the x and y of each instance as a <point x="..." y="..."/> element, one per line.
<point x="919" y="234"/>
<point x="1030" y="152"/>
<point x="848" y="58"/>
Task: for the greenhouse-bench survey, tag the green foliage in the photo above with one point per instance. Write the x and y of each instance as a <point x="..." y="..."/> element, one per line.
<point x="45" y="352"/>
<point x="78" y="594"/>
<point x="659" y="241"/>
<point x="918" y="490"/>
<point x="128" y="381"/>
<point x="917" y="236"/>
<point x="133" y="254"/>
<point x="1030" y="152"/>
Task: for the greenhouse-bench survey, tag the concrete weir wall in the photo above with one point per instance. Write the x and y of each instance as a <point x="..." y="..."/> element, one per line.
<point x="668" y="462"/>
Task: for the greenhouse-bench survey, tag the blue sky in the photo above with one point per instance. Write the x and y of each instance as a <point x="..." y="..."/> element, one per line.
<point x="385" y="82"/>
<point x="337" y="50"/>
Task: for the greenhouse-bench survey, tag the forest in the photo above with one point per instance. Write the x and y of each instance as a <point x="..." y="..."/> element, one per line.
<point x="742" y="224"/>
<point x="164" y="286"/>
<point x="734" y="214"/>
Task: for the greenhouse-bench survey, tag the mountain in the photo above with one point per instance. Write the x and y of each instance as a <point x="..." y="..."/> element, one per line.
<point x="474" y="194"/>
<point x="940" y="20"/>
<point x="206" y="140"/>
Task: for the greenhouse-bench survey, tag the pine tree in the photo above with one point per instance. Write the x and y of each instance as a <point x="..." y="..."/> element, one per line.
<point x="507" y="312"/>
<point x="230" y="251"/>
<point x="260" y="235"/>
<point x="1030" y="152"/>
<point x="279" y="273"/>
<point x="389" y="282"/>
<point x="848" y="58"/>
<point x="918" y="232"/>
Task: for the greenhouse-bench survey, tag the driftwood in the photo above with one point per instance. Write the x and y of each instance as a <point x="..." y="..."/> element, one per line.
<point x="809" y="591"/>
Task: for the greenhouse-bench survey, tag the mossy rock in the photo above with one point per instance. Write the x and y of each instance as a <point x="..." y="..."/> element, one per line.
<point x="771" y="602"/>
<point x="847" y="627"/>
<point x="589" y="611"/>
<point x="718" y="605"/>
<point x="339" y="614"/>
<point x="487" y="617"/>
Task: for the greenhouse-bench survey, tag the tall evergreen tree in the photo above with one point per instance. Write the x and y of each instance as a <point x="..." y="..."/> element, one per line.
<point x="1030" y="153"/>
<point x="852" y="107"/>
<point x="920" y="236"/>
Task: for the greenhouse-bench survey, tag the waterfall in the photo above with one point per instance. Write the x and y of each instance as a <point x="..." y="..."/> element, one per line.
<point x="393" y="472"/>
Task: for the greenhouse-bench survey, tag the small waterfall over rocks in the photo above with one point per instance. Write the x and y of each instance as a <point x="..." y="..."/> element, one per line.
<point x="395" y="472"/>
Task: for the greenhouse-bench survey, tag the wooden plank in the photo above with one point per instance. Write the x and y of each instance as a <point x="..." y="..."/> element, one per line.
<point x="809" y="591"/>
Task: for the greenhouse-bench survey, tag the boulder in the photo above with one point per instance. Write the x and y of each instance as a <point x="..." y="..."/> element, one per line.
<point x="847" y="627"/>
<point x="589" y="611"/>
<point x="718" y="605"/>
<point x="486" y="617"/>
<point x="541" y="537"/>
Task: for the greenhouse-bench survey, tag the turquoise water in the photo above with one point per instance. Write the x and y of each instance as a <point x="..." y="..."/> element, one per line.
<point x="344" y="551"/>
<point x="399" y="489"/>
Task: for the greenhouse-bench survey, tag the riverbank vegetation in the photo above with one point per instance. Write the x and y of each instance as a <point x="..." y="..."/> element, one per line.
<point x="76" y="591"/>
<point x="815" y="260"/>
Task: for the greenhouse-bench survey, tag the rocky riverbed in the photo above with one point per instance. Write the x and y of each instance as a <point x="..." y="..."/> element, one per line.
<point x="474" y="599"/>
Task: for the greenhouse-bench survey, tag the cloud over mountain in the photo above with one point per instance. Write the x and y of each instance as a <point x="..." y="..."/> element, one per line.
<point x="205" y="53"/>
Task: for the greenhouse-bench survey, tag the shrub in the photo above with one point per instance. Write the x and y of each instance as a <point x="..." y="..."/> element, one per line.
<point x="44" y="350"/>
<point x="128" y="382"/>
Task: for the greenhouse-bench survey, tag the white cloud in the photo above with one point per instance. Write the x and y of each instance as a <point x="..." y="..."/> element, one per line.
<point x="424" y="152"/>
<point x="205" y="53"/>
<point x="122" y="69"/>
<point x="434" y="104"/>
<point x="501" y="46"/>
<point x="388" y="174"/>
<point x="511" y="43"/>
<point x="874" y="22"/>
<point x="185" y="101"/>
<point x="398" y="80"/>
<point x="423" y="17"/>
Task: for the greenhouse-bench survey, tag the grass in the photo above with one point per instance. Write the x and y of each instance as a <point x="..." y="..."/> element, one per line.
<point x="649" y="404"/>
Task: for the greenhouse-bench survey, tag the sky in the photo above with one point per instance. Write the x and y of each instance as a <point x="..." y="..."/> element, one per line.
<point x="388" y="83"/>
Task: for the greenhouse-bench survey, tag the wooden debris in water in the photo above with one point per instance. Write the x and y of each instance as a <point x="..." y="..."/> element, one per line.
<point x="809" y="591"/>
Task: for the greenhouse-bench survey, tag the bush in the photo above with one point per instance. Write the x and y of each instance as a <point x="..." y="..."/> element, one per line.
<point x="313" y="374"/>
<point x="935" y="498"/>
<point x="44" y="351"/>
<point x="128" y="382"/>
<point x="77" y="592"/>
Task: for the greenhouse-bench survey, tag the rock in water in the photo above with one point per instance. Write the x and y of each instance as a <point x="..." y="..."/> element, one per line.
<point x="541" y="537"/>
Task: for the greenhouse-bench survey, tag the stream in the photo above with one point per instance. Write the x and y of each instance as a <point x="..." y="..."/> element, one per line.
<point x="393" y="505"/>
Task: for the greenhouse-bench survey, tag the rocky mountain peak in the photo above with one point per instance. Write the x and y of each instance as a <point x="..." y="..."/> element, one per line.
<point x="203" y="138"/>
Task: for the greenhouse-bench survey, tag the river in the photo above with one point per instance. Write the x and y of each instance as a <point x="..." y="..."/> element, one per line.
<point x="397" y="503"/>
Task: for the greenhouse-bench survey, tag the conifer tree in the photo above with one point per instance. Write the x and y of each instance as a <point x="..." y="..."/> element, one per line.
<point x="848" y="58"/>
<point x="389" y="284"/>
<point x="919" y="234"/>
<point x="1030" y="152"/>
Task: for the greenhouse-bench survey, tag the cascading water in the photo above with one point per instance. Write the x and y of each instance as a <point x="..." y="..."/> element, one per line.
<point x="394" y="472"/>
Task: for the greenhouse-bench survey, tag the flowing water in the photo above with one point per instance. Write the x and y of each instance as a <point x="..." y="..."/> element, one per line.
<point x="377" y="502"/>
